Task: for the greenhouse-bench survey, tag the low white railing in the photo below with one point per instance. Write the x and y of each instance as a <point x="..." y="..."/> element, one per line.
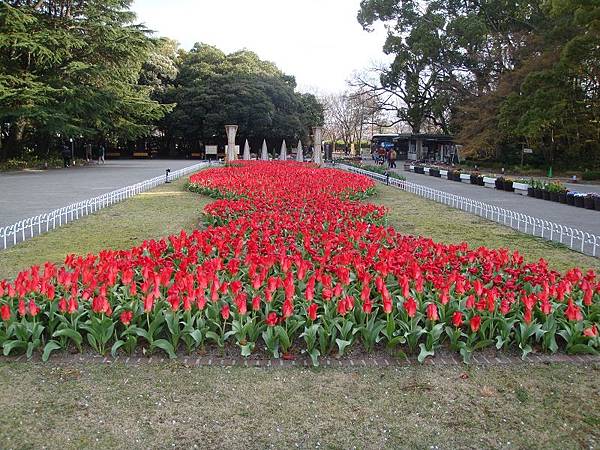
<point x="34" y="226"/>
<point x="573" y="238"/>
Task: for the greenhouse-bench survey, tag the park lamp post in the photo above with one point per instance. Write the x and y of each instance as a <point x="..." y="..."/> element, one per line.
<point x="231" y="132"/>
<point x="318" y="135"/>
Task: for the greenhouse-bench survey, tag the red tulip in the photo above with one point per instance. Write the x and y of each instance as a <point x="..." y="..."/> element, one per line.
<point x="225" y="311"/>
<point x="588" y="332"/>
<point x="272" y="319"/>
<point x="287" y="309"/>
<point x="63" y="305"/>
<point x="5" y="312"/>
<point x="432" y="312"/>
<point x="256" y="303"/>
<point x="573" y="312"/>
<point x="126" y="317"/>
<point x="312" y="311"/>
<point x="475" y="323"/>
<point x="410" y="306"/>
<point x="367" y="306"/>
<point x="33" y="308"/>
<point x="457" y="319"/>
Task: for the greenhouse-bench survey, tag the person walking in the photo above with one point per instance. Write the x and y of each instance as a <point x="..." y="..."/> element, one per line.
<point x="65" y="152"/>
<point x="392" y="159"/>
<point x="101" y="152"/>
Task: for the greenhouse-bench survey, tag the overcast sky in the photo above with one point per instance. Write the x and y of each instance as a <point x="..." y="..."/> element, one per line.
<point x="318" y="41"/>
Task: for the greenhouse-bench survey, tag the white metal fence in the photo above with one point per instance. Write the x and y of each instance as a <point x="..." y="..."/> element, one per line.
<point x="573" y="238"/>
<point x="34" y="226"/>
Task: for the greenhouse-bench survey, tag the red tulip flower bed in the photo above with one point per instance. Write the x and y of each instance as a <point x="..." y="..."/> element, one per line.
<point x="292" y="261"/>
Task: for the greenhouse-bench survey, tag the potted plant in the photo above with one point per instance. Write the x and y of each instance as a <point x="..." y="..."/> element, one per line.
<point x="508" y="185"/>
<point x="521" y="187"/>
<point x="554" y="189"/>
<point x="596" y="198"/>
<point x="571" y="198"/>
<point x="588" y="201"/>
<point x="476" y="179"/>
<point x="489" y="182"/>
<point x="434" y="172"/>
<point x="562" y="197"/>
<point x="530" y="189"/>
<point x="579" y="199"/>
<point x="546" y="193"/>
<point x="420" y="169"/>
<point x="500" y="183"/>
<point x="538" y="188"/>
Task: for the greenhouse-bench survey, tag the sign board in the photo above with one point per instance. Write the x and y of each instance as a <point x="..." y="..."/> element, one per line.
<point x="211" y="149"/>
<point x="237" y="149"/>
<point x="528" y="150"/>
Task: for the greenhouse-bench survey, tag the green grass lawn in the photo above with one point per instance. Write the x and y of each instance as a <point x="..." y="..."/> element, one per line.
<point x="171" y="406"/>
<point x="168" y="405"/>
<point x="157" y="213"/>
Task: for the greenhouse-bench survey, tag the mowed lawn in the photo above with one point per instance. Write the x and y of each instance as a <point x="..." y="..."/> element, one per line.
<point x="172" y="406"/>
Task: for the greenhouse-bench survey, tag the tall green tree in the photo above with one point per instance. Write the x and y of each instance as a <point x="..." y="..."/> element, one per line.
<point x="70" y="69"/>
<point x="214" y="89"/>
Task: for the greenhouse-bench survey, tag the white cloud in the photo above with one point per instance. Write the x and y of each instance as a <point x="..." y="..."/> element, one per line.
<point x="318" y="41"/>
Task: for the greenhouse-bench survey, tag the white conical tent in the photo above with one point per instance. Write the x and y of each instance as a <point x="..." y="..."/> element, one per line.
<point x="265" y="153"/>
<point x="247" y="151"/>
<point x="283" y="152"/>
<point x="299" y="152"/>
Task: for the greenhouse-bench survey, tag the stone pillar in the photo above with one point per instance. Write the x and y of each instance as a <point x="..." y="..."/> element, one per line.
<point x="317" y="139"/>
<point x="231" y="132"/>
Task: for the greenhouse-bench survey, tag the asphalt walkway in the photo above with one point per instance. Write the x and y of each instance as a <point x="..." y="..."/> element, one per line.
<point x="580" y="218"/>
<point x="28" y="193"/>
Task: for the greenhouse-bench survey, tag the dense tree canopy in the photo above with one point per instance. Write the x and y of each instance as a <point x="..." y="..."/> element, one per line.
<point x="85" y="70"/>
<point x="499" y="73"/>
<point x="71" y="69"/>
<point x="214" y="89"/>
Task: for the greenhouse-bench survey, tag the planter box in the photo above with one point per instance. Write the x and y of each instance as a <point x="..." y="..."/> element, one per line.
<point x="588" y="202"/>
<point x="545" y="194"/>
<point x="578" y="201"/>
<point x="554" y="196"/>
<point x="426" y="170"/>
<point x="570" y="200"/>
<point x="597" y="203"/>
<point x="489" y="182"/>
<point x="530" y="192"/>
<point x="411" y="168"/>
<point x="562" y="198"/>
<point x="444" y="174"/>
<point x="521" y="188"/>
<point x="539" y="193"/>
<point x="407" y="167"/>
<point x="465" y="178"/>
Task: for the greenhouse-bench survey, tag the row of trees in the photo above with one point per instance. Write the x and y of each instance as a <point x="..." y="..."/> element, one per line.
<point x="85" y="70"/>
<point x="499" y="74"/>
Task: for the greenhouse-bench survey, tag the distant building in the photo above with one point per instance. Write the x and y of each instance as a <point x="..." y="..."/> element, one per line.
<point x="412" y="147"/>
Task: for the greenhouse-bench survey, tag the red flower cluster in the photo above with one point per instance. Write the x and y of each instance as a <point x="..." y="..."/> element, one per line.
<point x="291" y="251"/>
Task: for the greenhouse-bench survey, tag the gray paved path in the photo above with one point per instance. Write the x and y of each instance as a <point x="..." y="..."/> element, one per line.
<point x="26" y="194"/>
<point x="580" y="218"/>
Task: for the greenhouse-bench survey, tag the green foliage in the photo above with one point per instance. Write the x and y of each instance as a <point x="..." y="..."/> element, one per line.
<point x="500" y="73"/>
<point x="214" y="89"/>
<point x="71" y="69"/>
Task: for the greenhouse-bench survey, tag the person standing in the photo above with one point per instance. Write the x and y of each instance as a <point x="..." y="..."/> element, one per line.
<point x="88" y="152"/>
<point x="101" y="152"/>
<point x="392" y="159"/>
